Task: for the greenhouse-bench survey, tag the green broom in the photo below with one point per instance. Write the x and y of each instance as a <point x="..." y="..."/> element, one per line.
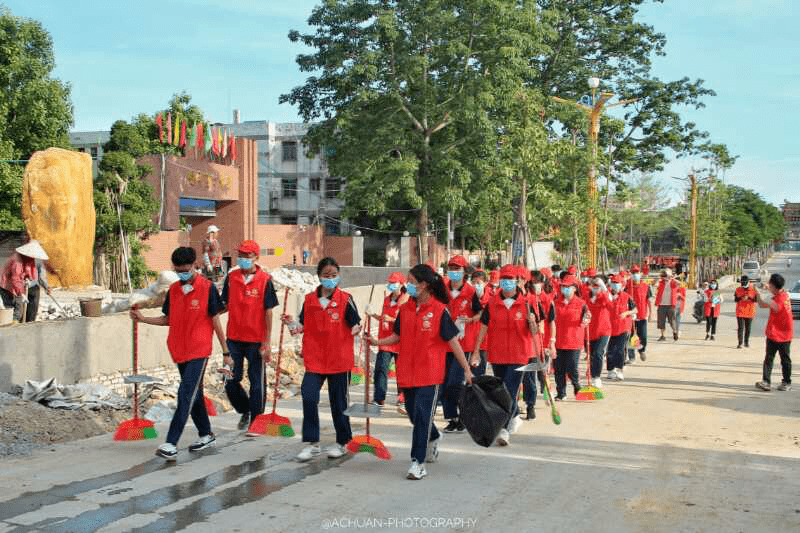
<point x="589" y="392"/>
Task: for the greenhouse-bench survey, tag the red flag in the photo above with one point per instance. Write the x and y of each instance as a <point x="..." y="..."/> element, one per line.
<point x="215" y="141"/>
<point x="232" y="148"/>
<point x="200" y="138"/>
<point x="169" y="127"/>
<point x="183" y="133"/>
<point x="160" y="124"/>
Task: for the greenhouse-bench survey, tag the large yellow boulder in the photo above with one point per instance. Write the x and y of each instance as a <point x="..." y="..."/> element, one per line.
<point x="58" y="211"/>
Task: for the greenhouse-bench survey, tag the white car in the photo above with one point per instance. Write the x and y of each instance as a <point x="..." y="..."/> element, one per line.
<point x="794" y="296"/>
<point x="753" y="271"/>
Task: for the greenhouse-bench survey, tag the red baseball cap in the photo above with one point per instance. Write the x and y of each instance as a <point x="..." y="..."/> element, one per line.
<point x="569" y="280"/>
<point x="546" y="272"/>
<point x="396" y="277"/>
<point x="509" y="271"/>
<point x="458" y="260"/>
<point x="249" y="247"/>
<point x="572" y="270"/>
<point x="494" y="275"/>
<point x="616" y="278"/>
<point x="592" y="272"/>
<point x="635" y="268"/>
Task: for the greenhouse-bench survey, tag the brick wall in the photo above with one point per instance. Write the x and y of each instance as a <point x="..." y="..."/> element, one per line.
<point x="289" y="242"/>
<point x="160" y="246"/>
<point x="340" y="248"/>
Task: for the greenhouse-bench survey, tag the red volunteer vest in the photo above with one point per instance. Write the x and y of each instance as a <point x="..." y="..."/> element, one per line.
<point x="387" y="326"/>
<point x="639" y="294"/>
<point x="746" y="308"/>
<point x="600" y="325"/>
<point x="619" y="306"/>
<point x="327" y="341"/>
<point x="780" y="325"/>
<point x="460" y="306"/>
<point x="190" y="327"/>
<point x="421" y="359"/>
<point x="673" y="293"/>
<point x="485" y="299"/>
<point x="682" y="294"/>
<point x="569" y="327"/>
<point x="247" y="320"/>
<point x="709" y="307"/>
<point x="510" y="339"/>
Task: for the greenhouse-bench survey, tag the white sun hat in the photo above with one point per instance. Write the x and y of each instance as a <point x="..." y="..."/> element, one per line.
<point x="33" y="249"/>
<point x="212" y="229"/>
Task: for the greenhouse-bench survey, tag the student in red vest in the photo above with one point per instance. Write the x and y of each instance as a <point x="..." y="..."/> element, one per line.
<point x="666" y="303"/>
<point x="191" y="310"/>
<point x="426" y="333"/>
<point x="465" y="309"/>
<point x="746" y="298"/>
<point x="779" y="333"/>
<point x="249" y="296"/>
<point x="540" y="303"/>
<point x="509" y="322"/>
<point x="329" y="321"/>
<point x="713" y="303"/>
<point x="622" y="311"/>
<point x="555" y="278"/>
<point x="599" y="305"/>
<point x="569" y="318"/>
<point x="479" y="281"/>
<point x="642" y="296"/>
<point x="391" y="305"/>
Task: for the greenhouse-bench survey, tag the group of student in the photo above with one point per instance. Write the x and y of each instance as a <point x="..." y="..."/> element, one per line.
<point x="440" y="330"/>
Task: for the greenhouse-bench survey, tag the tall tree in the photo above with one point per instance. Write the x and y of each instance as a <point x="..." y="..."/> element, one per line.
<point x="35" y="108"/>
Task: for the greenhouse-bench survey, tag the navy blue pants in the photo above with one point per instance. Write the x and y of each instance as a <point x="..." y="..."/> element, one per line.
<point x="253" y="404"/>
<point x="529" y="386"/>
<point x="337" y="395"/>
<point x="381" y="374"/>
<point x="512" y="380"/>
<point x="641" y="331"/>
<point x="453" y="384"/>
<point x="598" y="349"/>
<point x="616" y="351"/>
<point x="481" y="368"/>
<point x="566" y="362"/>
<point x="420" y="404"/>
<point x="190" y="400"/>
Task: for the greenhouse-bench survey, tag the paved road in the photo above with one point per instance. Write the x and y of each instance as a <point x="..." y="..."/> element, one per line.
<point x="684" y="444"/>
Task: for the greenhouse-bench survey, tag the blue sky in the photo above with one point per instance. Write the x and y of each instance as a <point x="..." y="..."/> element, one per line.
<point x="230" y="54"/>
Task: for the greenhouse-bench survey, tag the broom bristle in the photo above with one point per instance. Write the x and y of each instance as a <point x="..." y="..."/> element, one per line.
<point x="556" y="418"/>
<point x="271" y="424"/>
<point x="357" y="376"/>
<point x="363" y="443"/>
<point x="210" y="408"/>
<point x="135" y="429"/>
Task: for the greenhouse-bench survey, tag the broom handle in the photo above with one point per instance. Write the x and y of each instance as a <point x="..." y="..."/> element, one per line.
<point x="588" y="357"/>
<point x="135" y="350"/>
<point x="366" y="372"/>
<point x="280" y="354"/>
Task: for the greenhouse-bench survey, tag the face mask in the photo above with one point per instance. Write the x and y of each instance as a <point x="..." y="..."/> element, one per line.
<point x="244" y="264"/>
<point x="595" y="290"/>
<point x="393" y="287"/>
<point x="479" y="289"/>
<point x="556" y="274"/>
<point x="508" y="285"/>
<point x="537" y="288"/>
<point x="184" y="276"/>
<point x="411" y="289"/>
<point x="713" y="285"/>
<point x="584" y="279"/>
<point x="745" y="283"/>
<point x="566" y="291"/>
<point x="330" y="283"/>
<point x="637" y="277"/>
<point x="455" y="275"/>
<point x="616" y="287"/>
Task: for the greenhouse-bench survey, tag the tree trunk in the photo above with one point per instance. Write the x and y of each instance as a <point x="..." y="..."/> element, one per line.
<point x="422" y="229"/>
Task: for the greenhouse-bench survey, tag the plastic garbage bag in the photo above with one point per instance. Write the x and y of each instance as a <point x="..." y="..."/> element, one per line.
<point x="485" y="408"/>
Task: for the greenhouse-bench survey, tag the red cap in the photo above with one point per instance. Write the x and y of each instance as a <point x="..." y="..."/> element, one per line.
<point x="569" y="280"/>
<point x="523" y="273"/>
<point x="592" y="272"/>
<point x="572" y="270"/>
<point x="546" y="272"/>
<point x="249" y="247"/>
<point x="458" y="260"/>
<point x="635" y="268"/>
<point x="509" y="271"/>
<point x="616" y="278"/>
<point x="494" y="275"/>
<point x="397" y="277"/>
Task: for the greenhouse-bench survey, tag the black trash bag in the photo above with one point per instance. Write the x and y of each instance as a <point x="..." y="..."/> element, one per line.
<point x="485" y="408"/>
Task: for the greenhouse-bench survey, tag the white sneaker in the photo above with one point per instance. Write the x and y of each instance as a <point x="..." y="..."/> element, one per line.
<point x="167" y="451"/>
<point x="597" y="383"/>
<point x="620" y="377"/>
<point x="516" y="423"/>
<point x="202" y="443"/>
<point x="503" y="438"/>
<point x="432" y="454"/>
<point x="335" y="451"/>
<point x="612" y="375"/>
<point x="309" y="452"/>
<point x="416" y="471"/>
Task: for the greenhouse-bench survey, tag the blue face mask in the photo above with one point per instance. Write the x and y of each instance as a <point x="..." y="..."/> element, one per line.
<point x="713" y="285"/>
<point x="330" y="283"/>
<point x="637" y="277"/>
<point x="184" y="276"/>
<point x="616" y="287"/>
<point x="393" y="287"/>
<point x="508" y="285"/>
<point x="244" y="264"/>
<point x="566" y="291"/>
<point x="455" y="275"/>
<point x="479" y="289"/>
<point x="411" y="289"/>
<point x="595" y="290"/>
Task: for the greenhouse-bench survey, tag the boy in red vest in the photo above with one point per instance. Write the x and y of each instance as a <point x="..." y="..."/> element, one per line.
<point x="746" y="298"/>
<point x="249" y="296"/>
<point x="191" y="310"/>
<point x="642" y="296"/>
<point x="779" y="333"/>
<point x="622" y="309"/>
<point x="568" y="320"/>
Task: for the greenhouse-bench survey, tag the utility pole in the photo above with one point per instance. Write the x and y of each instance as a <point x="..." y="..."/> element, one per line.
<point x="449" y="235"/>
<point x="693" y="238"/>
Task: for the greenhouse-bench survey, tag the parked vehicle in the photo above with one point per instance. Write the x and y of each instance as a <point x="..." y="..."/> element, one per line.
<point x="794" y="296"/>
<point x="754" y="272"/>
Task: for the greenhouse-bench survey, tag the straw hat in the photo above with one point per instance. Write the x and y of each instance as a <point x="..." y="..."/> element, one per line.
<point x="33" y="249"/>
<point x="212" y="229"/>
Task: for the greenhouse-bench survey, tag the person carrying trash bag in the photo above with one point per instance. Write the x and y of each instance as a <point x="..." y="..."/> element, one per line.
<point x="480" y="282"/>
<point x="426" y="332"/>
<point x="510" y="323"/>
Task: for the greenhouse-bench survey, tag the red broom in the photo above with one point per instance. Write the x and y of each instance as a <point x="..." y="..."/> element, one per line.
<point x="273" y="424"/>
<point x="367" y="443"/>
<point x="589" y="392"/>
<point x="136" y="428"/>
<point x="210" y="408"/>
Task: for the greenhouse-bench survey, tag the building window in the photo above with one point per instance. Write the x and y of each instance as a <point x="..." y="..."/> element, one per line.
<point x="332" y="186"/>
<point x="94" y="152"/>
<point x="289" y="149"/>
<point x="289" y="221"/>
<point x="331" y="228"/>
<point x="315" y="183"/>
<point x="289" y="187"/>
<point x="83" y="150"/>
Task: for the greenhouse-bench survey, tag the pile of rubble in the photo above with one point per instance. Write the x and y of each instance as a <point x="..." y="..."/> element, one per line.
<point x="52" y="312"/>
<point x="297" y="281"/>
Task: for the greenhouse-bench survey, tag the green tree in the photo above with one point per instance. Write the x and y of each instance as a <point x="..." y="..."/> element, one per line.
<point x="35" y="108"/>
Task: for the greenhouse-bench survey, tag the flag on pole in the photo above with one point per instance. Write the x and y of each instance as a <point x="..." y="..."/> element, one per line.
<point x="169" y="127"/>
<point x="177" y="132"/>
<point x="207" y="139"/>
<point x="215" y="141"/>
<point x="225" y="144"/>
<point x="200" y="140"/>
<point x="192" y="137"/>
<point x="219" y="142"/>
<point x="160" y="124"/>
<point x="232" y="149"/>
<point x="183" y="133"/>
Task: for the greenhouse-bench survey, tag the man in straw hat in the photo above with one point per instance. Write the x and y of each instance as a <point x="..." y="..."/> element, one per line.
<point x="212" y="254"/>
<point x="19" y="274"/>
